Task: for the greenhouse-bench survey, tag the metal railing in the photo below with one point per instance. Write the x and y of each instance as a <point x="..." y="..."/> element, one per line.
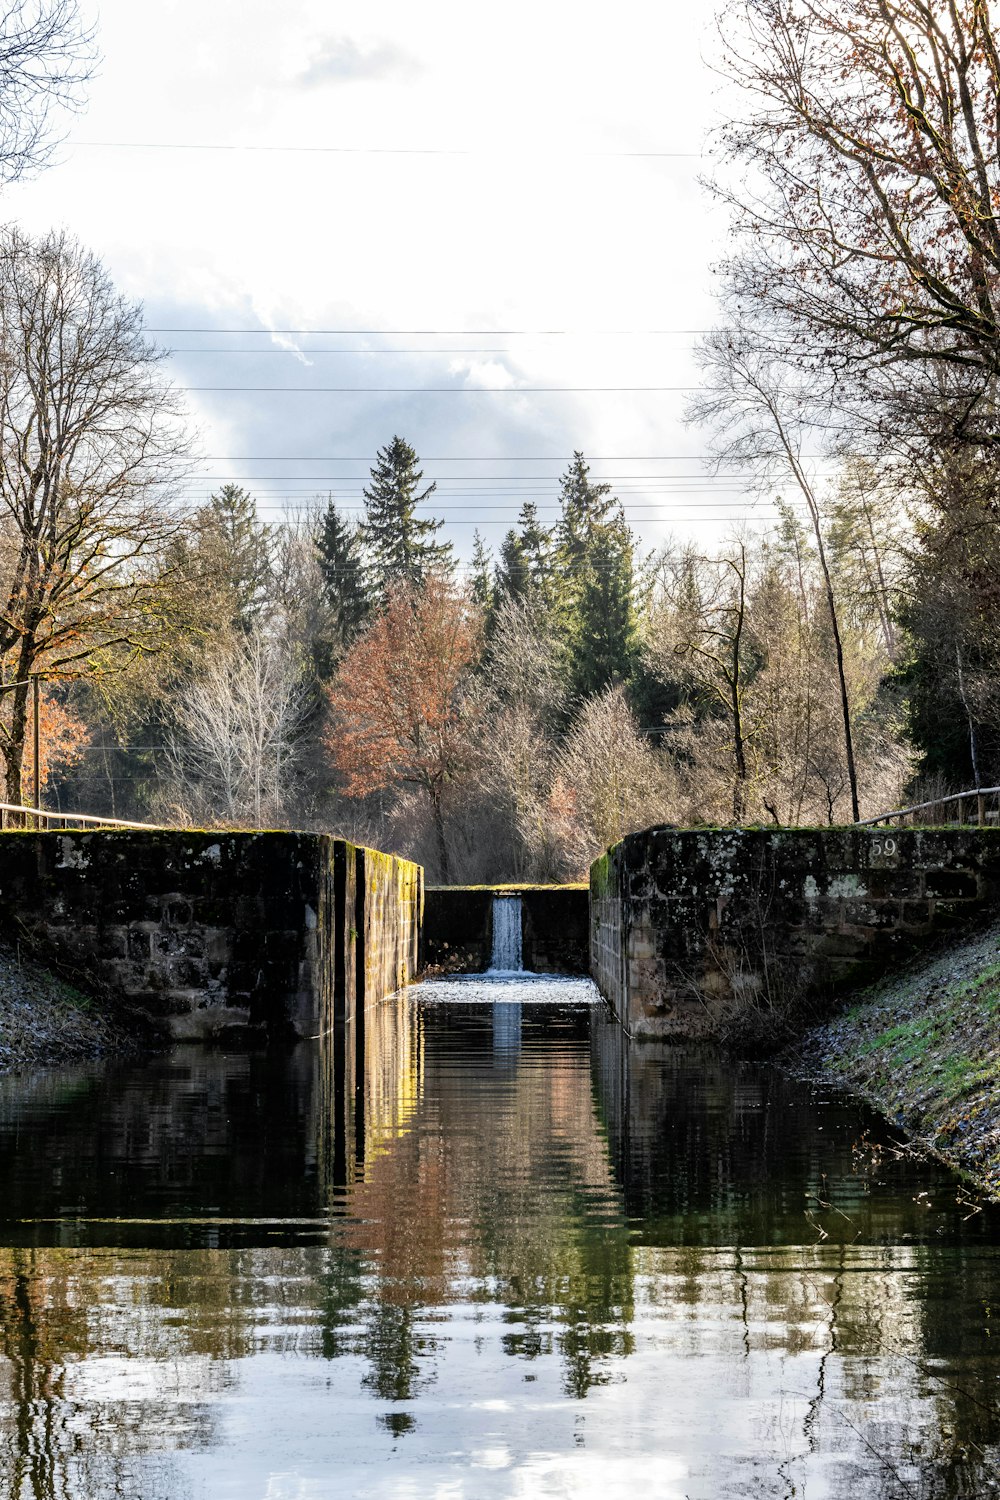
<point x="975" y="809"/>
<point x="13" y="815"/>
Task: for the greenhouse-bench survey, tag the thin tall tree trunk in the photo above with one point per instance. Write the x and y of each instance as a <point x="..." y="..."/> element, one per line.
<point x="442" y="846"/>
<point x="884" y="606"/>
<point x="845" y="704"/>
<point x="739" y="750"/>
<point x="14" y="749"/>
<point x="973" y="738"/>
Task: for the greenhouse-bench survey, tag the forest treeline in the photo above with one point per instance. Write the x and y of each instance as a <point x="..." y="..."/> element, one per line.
<point x="513" y="718"/>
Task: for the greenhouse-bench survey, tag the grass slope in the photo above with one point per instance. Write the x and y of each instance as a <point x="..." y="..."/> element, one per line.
<point x="923" y="1047"/>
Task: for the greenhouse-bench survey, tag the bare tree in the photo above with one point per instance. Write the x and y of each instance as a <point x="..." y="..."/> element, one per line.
<point x="91" y="451"/>
<point x="870" y="520"/>
<point x="234" y="754"/>
<point x="609" y="777"/>
<point x="790" y="716"/>
<point x="47" y="56"/>
<point x="703" y="628"/>
<point x="865" y="189"/>
<point x="759" y="412"/>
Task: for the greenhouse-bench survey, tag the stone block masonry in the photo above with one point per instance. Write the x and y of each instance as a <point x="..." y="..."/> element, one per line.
<point x="201" y="934"/>
<point x="691" y="929"/>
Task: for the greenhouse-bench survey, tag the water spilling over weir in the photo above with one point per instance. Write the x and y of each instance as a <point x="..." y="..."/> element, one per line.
<point x="507" y="944"/>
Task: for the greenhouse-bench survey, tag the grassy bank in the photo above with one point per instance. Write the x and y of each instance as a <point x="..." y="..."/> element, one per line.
<point x="923" y="1048"/>
<point x="44" y="1020"/>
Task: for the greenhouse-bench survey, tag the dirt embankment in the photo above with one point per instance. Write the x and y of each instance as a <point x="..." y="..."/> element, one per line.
<point x="44" y="1020"/>
<point x="923" y="1048"/>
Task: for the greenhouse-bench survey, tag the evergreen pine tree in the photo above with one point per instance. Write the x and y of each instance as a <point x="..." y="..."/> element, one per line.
<point x="526" y="559"/>
<point x="513" y="578"/>
<point x="237" y="553"/>
<point x="603" y="642"/>
<point x="399" y="543"/>
<point x="345" y="587"/>
<point x="584" y="505"/>
<point x="594" y="586"/>
<point x="482" y="579"/>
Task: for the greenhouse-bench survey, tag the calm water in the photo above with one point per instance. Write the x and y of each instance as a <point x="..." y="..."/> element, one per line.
<point x="498" y="1254"/>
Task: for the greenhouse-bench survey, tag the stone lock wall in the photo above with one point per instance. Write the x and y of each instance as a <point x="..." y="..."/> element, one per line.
<point x="200" y="934"/>
<point x="688" y="928"/>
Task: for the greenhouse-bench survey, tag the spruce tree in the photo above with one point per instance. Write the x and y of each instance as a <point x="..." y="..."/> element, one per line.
<point x="399" y="543"/>
<point x="594" y="586"/>
<point x="236" y="553"/>
<point x="482" y="579"/>
<point x="513" y="578"/>
<point x="583" y="505"/>
<point x="603" y="642"/>
<point x="345" y="587"/>
<point x="525" y="566"/>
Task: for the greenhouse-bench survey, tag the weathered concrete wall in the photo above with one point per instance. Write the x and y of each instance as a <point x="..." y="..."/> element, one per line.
<point x="458" y="928"/>
<point x="208" y="933"/>
<point x="689" y="929"/>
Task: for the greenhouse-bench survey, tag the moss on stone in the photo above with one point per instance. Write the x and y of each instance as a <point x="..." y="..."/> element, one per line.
<point x="922" y="1048"/>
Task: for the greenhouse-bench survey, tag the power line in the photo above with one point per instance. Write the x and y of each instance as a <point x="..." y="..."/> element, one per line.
<point x="500" y="511"/>
<point x="449" y="478"/>
<point x="656" y="514"/>
<point x="479" y="499"/>
<point x="471" y="458"/>
<point x="432" y="390"/>
<point x="359" y="353"/>
<point x="401" y="333"/>
<point x="386" y="150"/>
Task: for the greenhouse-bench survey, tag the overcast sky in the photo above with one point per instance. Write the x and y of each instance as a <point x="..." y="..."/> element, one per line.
<point x="538" y="226"/>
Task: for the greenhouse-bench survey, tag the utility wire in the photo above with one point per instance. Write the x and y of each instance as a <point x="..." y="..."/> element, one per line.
<point x="361" y="353"/>
<point x="385" y="150"/>
<point x="432" y="390"/>
<point x="469" y="458"/>
<point x="500" y="479"/>
<point x="401" y="333"/>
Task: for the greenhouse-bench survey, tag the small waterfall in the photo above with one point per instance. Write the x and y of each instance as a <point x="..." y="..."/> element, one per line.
<point x="506" y="957"/>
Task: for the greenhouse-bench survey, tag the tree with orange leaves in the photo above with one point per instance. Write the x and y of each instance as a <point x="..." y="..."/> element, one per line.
<point x="61" y="740"/>
<point x="397" y="700"/>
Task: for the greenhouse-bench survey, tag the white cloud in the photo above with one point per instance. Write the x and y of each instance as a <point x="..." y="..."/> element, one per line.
<point x="342" y="60"/>
<point x="531" y="229"/>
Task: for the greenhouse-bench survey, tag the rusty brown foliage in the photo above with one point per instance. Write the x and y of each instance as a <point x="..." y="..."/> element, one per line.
<point x="397" y="701"/>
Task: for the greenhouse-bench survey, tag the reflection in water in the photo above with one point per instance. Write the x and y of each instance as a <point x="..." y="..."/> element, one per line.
<point x="487" y="1249"/>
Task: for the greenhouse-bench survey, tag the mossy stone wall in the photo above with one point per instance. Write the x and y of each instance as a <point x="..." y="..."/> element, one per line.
<point x="689" y="929"/>
<point x="202" y="934"/>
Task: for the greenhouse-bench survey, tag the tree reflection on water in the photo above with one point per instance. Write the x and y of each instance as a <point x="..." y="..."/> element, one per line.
<point x="458" y="1251"/>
